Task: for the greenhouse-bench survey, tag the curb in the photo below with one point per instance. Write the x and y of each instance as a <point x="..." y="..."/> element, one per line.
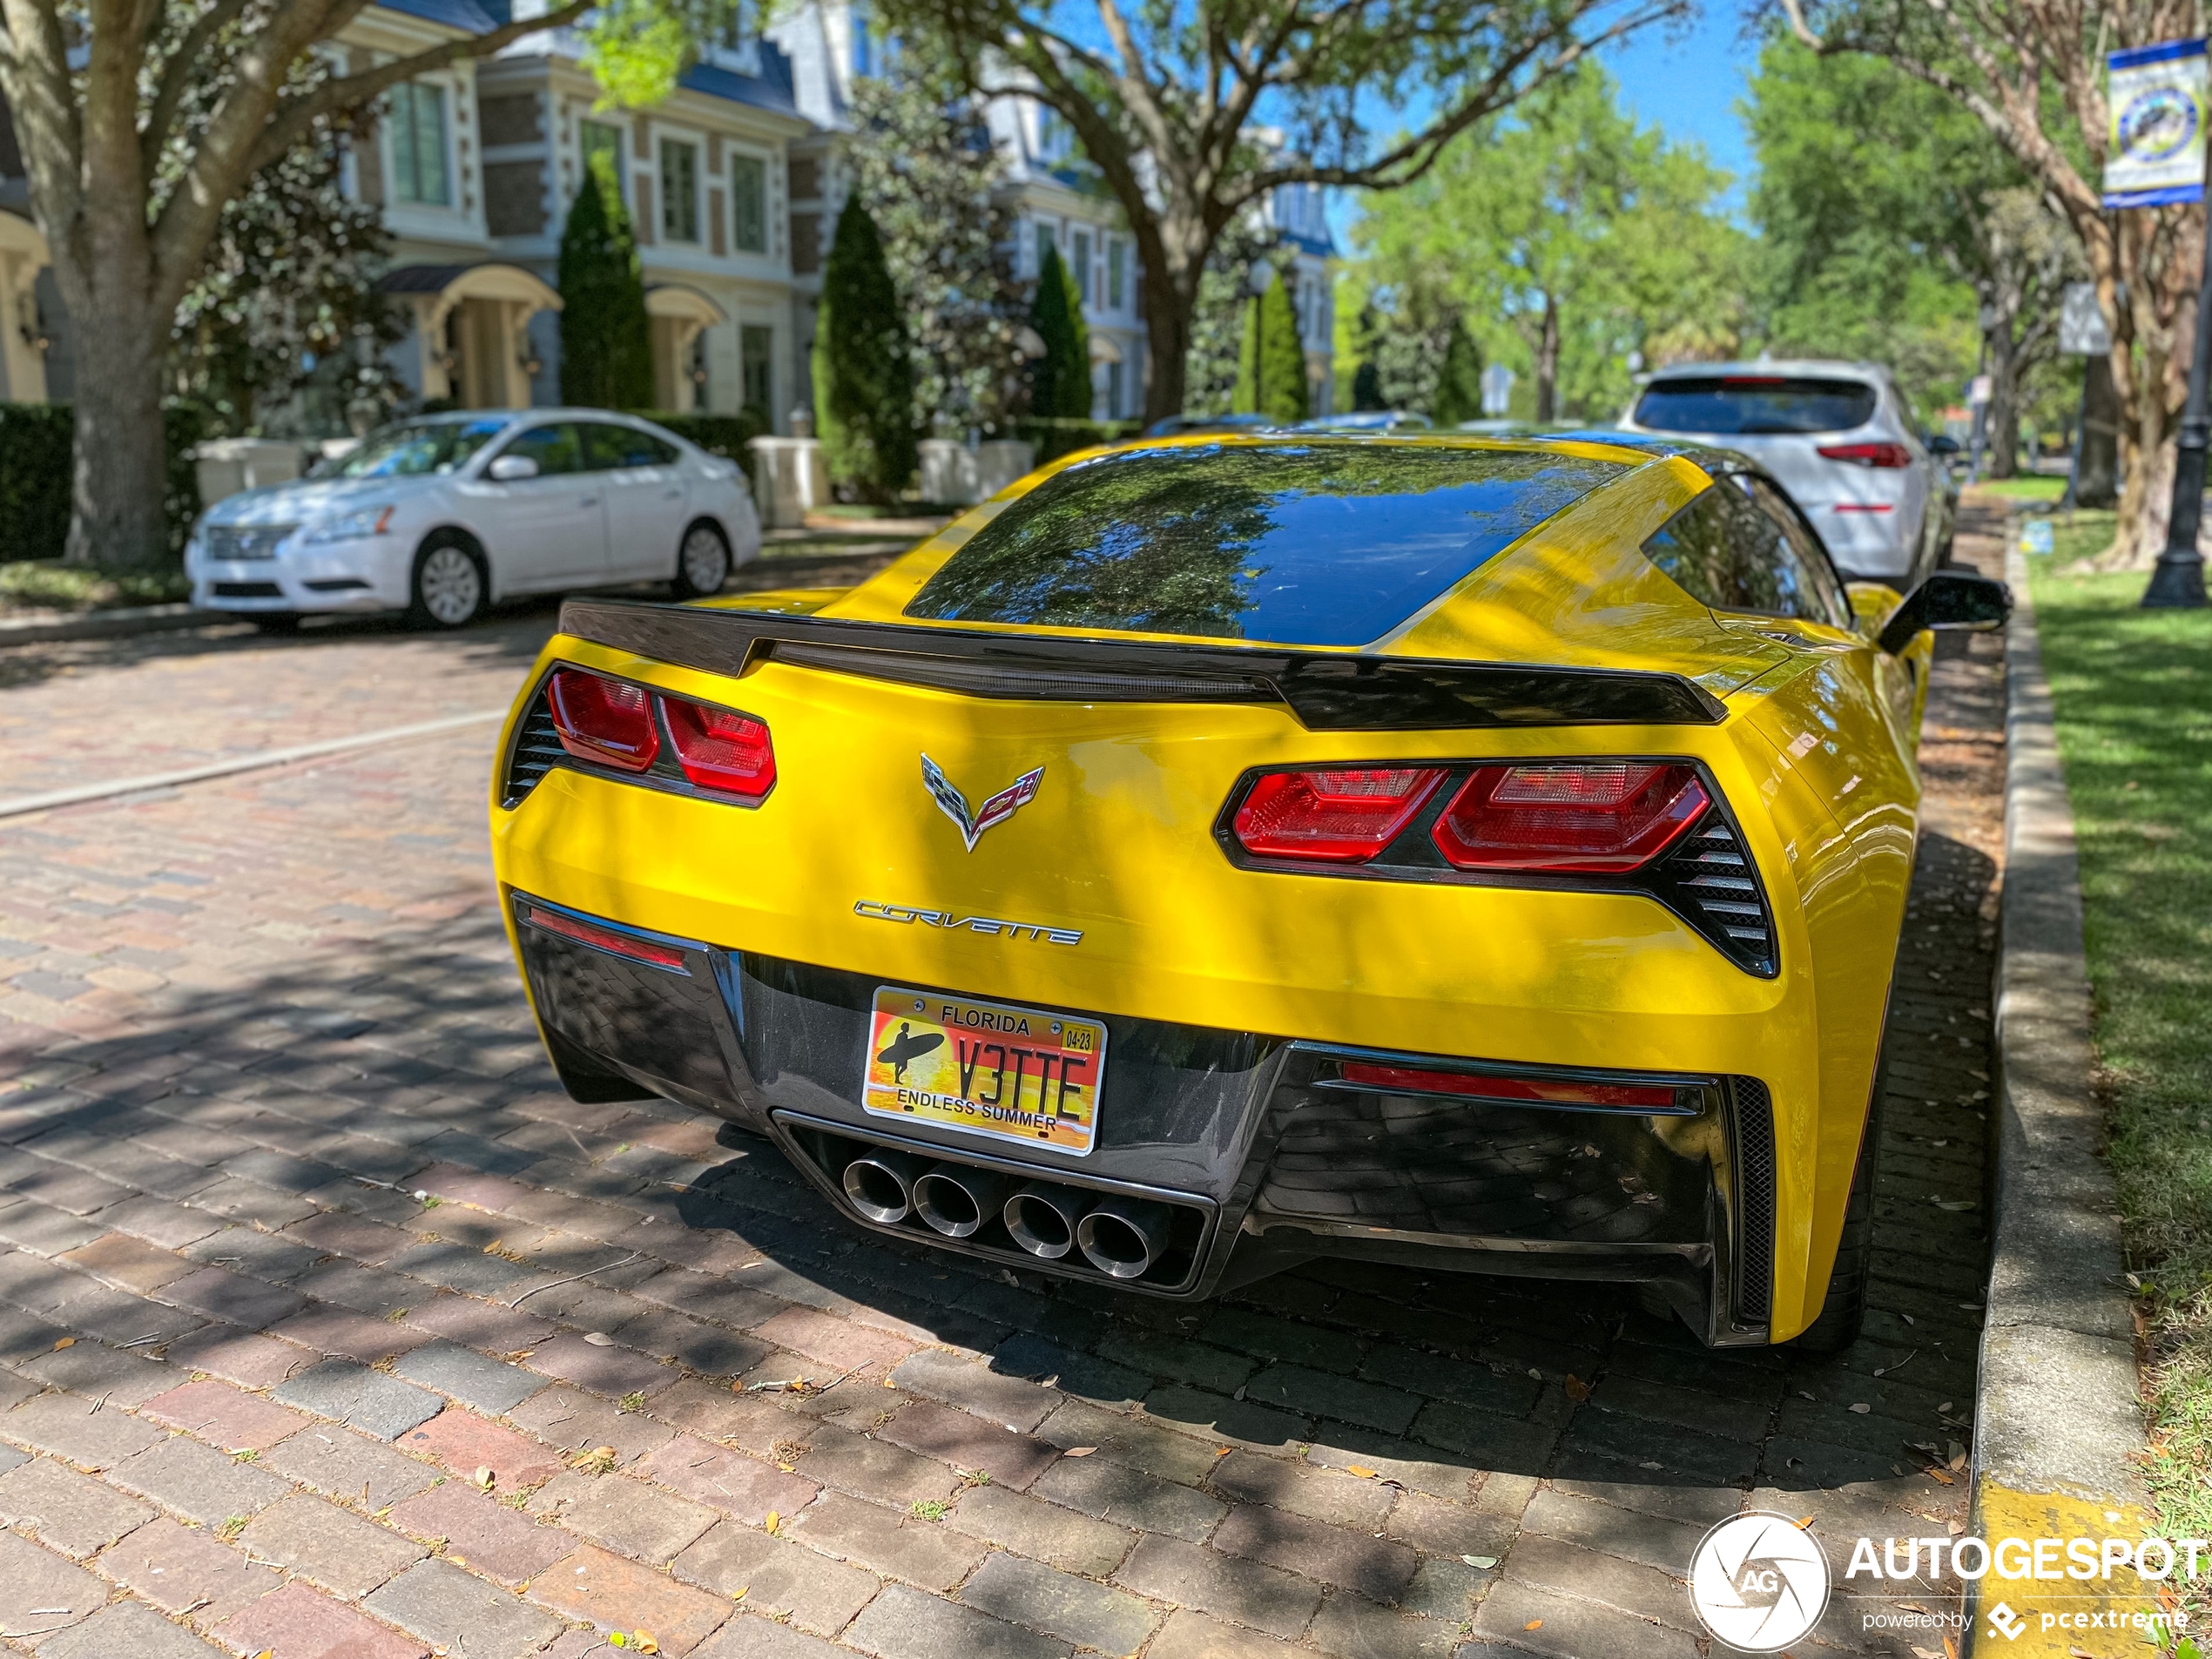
<point x="147" y="619"/>
<point x="102" y="624"/>
<point x="2058" y="1414"/>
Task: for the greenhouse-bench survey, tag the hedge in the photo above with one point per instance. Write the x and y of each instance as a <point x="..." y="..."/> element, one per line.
<point x="1053" y="438"/>
<point x="718" y="434"/>
<point x="37" y="444"/>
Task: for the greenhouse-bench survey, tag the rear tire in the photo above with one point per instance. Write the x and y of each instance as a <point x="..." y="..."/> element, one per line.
<point x="1844" y="1311"/>
<point x="449" y="585"/>
<point x="702" y="564"/>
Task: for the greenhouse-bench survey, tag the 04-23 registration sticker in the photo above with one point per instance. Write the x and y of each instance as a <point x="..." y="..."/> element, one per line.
<point x="1013" y="1073"/>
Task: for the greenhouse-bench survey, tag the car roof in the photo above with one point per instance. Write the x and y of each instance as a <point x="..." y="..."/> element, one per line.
<point x="564" y="412"/>
<point x="1776" y="367"/>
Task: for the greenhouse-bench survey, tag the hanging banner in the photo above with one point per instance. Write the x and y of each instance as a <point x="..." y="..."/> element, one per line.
<point x="2157" y="97"/>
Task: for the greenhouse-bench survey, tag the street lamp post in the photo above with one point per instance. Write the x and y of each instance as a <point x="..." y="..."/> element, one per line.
<point x="2177" y="581"/>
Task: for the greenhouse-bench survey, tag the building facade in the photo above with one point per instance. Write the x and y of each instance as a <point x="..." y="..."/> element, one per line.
<point x="734" y="185"/>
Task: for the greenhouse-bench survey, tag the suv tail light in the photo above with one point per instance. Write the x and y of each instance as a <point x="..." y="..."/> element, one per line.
<point x="1869" y="454"/>
<point x="720" y="750"/>
<point x="607" y="721"/>
<point x="634" y="728"/>
<point x="1593" y="816"/>
<point x="1340" y="816"/>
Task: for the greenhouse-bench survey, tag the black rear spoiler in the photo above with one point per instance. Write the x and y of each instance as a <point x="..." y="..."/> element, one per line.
<point x="1327" y="691"/>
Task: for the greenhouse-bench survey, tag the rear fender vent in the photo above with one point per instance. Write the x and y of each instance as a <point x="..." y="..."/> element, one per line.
<point x="1710" y="882"/>
<point x="1753" y="1108"/>
<point x="537" y="750"/>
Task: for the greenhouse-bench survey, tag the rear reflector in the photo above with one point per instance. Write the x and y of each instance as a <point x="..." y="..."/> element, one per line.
<point x="607" y="721"/>
<point x="1340" y="816"/>
<point x="1544" y="1092"/>
<point x="1869" y="454"/>
<point x="1591" y="816"/>
<point x="718" y="750"/>
<point x="606" y="938"/>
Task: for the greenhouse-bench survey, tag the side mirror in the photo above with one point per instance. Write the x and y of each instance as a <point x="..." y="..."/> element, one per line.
<point x="508" y="468"/>
<point x="1943" y="446"/>
<point x="1947" y="599"/>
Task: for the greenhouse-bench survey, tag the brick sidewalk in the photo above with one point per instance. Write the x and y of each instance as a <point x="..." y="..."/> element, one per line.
<point x="262" y="1395"/>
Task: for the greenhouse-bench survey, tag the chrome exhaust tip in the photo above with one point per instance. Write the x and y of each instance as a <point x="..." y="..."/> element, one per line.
<point x="880" y="1185"/>
<point x="957" y="1201"/>
<point x="1123" y="1237"/>
<point x="1043" y="1218"/>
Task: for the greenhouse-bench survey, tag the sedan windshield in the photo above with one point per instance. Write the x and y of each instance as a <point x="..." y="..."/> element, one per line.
<point x="420" y="451"/>
<point x="1751" y="404"/>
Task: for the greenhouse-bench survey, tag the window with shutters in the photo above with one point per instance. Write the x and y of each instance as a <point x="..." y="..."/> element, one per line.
<point x="420" y="172"/>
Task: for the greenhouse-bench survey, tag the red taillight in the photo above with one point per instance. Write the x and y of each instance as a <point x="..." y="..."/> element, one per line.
<point x="1340" y="816"/>
<point x="1591" y="816"/>
<point x="1537" y="1091"/>
<point x="1869" y="454"/>
<point x="721" y="750"/>
<point x="604" y="720"/>
<point x="621" y="944"/>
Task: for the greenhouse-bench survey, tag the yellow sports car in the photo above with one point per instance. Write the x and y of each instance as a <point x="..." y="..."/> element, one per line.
<point x="1221" y="851"/>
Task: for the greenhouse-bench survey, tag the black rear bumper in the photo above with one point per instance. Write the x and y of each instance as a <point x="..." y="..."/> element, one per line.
<point x="1253" y="1145"/>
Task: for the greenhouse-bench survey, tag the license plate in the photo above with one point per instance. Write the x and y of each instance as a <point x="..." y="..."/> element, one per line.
<point x="1013" y="1073"/>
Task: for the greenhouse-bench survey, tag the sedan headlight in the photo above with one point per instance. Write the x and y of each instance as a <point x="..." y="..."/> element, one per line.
<point x="351" y="527"/>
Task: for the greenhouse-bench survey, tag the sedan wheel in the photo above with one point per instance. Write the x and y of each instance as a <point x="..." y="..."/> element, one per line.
<point x="448" y="585"/>
<point x="703" y="565"/>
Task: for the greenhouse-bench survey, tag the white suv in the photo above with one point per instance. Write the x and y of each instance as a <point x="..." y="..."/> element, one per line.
<point x="441" y="516"/>
<point x="1839" y="436"/>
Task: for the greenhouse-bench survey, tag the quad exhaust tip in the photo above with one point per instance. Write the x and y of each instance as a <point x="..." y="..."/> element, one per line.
<point x="880" y="1185"/>
<point x="1042" y="1219"/>
<point x="1123" y="1237"/>
<point x="956" y="1201"/>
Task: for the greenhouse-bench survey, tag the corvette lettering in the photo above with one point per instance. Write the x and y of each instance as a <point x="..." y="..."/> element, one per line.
<point x="1036" y="931"/>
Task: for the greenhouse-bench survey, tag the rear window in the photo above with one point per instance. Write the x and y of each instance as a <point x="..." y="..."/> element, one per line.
<point x="1754" y="404"/>
<point x="1297" y="544"/>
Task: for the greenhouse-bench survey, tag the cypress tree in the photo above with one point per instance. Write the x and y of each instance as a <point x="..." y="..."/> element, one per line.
<point x="606" y="340"/>
<point x="1366" y="386"/>
<point x="1244" y="399"/>
<point x="1059" y="380"/>
<point x="863" y="377"/>
<point x="1458" y="384"/>
<point x="1281" y="357"/>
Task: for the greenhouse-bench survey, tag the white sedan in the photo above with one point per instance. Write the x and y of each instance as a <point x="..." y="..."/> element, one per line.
<point x="1839" y="437"/>
<point x="443" y="516"/>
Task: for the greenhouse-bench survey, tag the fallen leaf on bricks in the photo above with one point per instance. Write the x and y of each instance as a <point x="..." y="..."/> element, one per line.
<point x="1534" y="1624"/>
<point x="1483" y="1561"/>
<point x="1860" y="1407"/>
<point x="66" y="1342"/>
<point x="773" y="1521"/>
<point x="1360" y="1469"/>
<point x="1576" y="1388"/>
<point x="484" y="1478"/>
<point x="1081" y="1451"/>
<point x="599" y="1338"/>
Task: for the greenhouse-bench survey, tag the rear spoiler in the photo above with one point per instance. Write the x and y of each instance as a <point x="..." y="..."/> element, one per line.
<point x="1327" y="691"/>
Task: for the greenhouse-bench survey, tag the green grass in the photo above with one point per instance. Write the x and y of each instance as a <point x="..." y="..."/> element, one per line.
<point x="2133" y="690"/>
<point x="2030" y="487"/>
<point x="48" y="584"/>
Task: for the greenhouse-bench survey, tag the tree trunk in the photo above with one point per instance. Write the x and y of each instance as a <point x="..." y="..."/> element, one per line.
<point x="1167" y="307"/>
<point x="120" y="329"/>
<point x="2004" y="418"/>
<point x="1547" y="364"/>
<point x="2096" y="478"/>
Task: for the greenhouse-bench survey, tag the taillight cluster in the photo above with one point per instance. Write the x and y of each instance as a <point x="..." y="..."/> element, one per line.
<point x="615" y="723"/>
<point x="1588" y="817"/>
<point x="1869" y="454"/>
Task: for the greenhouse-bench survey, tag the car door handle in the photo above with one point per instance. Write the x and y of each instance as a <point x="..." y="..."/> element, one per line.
<point x="672" y="494"/>
<point x="589" y="501"/>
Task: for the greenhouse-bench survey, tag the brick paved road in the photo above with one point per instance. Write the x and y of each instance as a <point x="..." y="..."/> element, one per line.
<point x="254" y="1390"/>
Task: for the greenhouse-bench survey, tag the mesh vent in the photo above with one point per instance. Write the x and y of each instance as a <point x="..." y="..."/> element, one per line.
<point x="1711" y="883"/>
<point x="537" y="750"/>
<point x="1753" y="1115"/>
